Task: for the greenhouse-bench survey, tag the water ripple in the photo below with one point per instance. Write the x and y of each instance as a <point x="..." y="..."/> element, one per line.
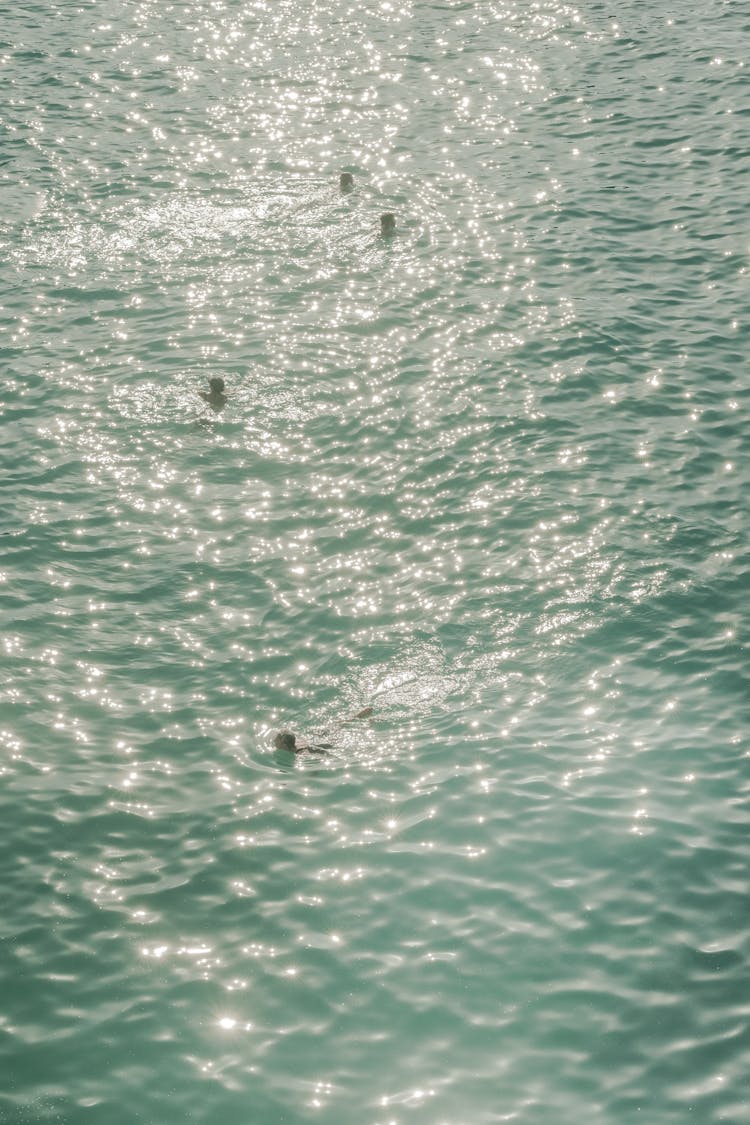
<point x="484" y="479"/>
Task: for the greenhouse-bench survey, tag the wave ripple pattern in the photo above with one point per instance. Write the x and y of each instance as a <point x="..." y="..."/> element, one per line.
<point x="483" y="479"/>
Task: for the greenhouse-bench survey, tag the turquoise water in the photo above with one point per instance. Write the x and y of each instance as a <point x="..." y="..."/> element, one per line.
<point x="485" y="477"/>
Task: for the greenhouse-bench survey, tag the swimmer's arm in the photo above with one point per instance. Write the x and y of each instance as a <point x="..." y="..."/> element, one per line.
<point x="365" y="713"/>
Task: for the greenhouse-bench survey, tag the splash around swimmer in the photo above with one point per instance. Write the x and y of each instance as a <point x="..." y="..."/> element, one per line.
<point x="387" y="219"/>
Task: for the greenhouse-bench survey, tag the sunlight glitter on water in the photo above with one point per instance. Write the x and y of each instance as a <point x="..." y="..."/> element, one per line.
<point x="484" y="477"/>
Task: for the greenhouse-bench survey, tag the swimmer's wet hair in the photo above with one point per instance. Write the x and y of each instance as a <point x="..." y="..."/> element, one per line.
<point x="285" y="740"/>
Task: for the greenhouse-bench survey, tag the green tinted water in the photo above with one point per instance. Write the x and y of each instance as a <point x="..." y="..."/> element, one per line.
<point x="485" y="477"/>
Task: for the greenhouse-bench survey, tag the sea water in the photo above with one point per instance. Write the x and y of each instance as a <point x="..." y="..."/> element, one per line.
<point x="487" y="477"/>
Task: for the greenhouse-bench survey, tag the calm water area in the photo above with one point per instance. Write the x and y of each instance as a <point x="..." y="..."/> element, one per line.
<point x="487" y="477"/>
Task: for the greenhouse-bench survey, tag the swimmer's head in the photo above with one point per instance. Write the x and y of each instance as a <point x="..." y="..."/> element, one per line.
<point x="285" y="740"/>
<point x="346" y="181"/>
<point x="217" y="385"/>
<point x="388" y="223"/>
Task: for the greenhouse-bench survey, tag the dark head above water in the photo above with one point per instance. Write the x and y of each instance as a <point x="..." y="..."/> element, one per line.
<point x="388" y="224"/>
<point x="215" y="396"/>
<point x="285" y="740"/>
<point x="346" y="181"/>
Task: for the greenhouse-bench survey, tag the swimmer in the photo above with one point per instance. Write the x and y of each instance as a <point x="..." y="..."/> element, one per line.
<point x="286" y="740"/>
<point x="215" y="396"/>
<point x="346" y="181"/>
<point x="388" y="224"/>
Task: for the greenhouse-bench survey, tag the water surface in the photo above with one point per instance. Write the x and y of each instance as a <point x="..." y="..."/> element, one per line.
<point x="485" y="477"/>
